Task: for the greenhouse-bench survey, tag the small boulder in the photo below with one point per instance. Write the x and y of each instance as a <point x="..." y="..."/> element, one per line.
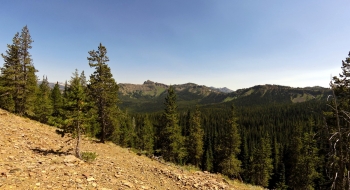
<point x="70" y="159"/>
<point x="128" y="184"/>
<point x="90" y="179"/>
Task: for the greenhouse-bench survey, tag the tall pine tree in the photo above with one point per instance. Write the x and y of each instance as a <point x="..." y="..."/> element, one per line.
<point x="171" y="139"/>
<point x="10" y="77"/>
<point x="56" y="117"/>
<point x="43" y="106"/>
<point x="125" y="134"/>
<point x="261" y="163"/>
<point x="194" y="140"/>
<point x="229" y="148"/>
<point x="76" y="110"/>
<point x="104" y="91"/>
<point x="146" y="136"/>
<point x="30" y="85"/>
<point x="303" y="160"/>
<point x="18" y="75"/>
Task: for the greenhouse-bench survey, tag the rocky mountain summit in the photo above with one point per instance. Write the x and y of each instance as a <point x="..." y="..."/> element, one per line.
<point x="33" y="156"/>
<point x="155" y="89"/>
<point x="223" y="89"/>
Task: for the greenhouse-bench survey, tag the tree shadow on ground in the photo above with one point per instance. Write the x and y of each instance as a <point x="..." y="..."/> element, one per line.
<point x="51" y="151"/>
<point x="97" y="141"/>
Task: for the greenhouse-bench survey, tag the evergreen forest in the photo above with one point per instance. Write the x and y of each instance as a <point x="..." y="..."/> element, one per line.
<point x="268" y="141"/>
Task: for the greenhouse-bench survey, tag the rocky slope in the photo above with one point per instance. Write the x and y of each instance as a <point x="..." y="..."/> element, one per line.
<point x="33" y="156"/>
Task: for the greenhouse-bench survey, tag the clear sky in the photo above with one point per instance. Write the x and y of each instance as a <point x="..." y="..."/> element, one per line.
<point x="227" y="43"/>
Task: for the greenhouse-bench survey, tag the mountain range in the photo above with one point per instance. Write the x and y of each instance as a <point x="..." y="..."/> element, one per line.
<point x="149" y="96"/>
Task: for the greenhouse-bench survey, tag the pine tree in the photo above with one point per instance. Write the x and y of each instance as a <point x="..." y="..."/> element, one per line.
<point x="6" y="99"/>
<point x="194" y="141"/>
<point x="229" y="148"/>
<point x="10" y="74"/>
<point x="261" y="163"/>
<point x="146" y="136"/>
<point x="280" y="181"/>
<point x="208" y="157"/>
<point x="43" y="106"/>
<point x="276" y="155"/>
<point x="124" y="136"/>
<point x="307" y="163"/>
<point x="171" y="138"/>
<point x="281" y="184"/>
<point x="207" y="162"/>
<point x="57" y="100"/>
<point x="104" y="91"/>
<point x="245" y="158"/>
<point x="303" y="160"/>
<point x="83" y="79"/>
<point x="76" y="110"/>
<point x="18" y="75"/>
<point x="92" y="127"/>
<point x="65" y="93"/>
<point x="29" y="79"/>
<point x="57" y="116"/>
<point x="293" y="156"/>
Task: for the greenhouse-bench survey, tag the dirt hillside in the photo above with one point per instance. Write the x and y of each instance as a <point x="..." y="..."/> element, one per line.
<point x="33" y="156"/>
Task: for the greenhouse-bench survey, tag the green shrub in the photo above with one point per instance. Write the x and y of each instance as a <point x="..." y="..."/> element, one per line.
<point x="88" y="156"/>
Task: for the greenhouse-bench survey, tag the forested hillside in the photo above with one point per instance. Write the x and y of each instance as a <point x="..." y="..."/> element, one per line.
<point x="273" y="136"/>
<point x="149" y="97"/>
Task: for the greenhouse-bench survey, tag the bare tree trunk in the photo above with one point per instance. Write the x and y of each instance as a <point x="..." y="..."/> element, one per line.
<point x="77" y="147"/>
<point x="103" y="123"/>
<point x="340" y="178"/>
<point x="103" y="120"/>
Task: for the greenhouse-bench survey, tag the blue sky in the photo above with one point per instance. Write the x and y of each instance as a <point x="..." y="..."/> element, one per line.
<point x="234" y="44"/>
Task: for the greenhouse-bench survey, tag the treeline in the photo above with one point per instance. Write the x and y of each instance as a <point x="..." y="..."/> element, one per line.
<point x="278" y="146"/>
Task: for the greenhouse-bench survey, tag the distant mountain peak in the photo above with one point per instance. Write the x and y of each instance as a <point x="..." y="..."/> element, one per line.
<point x="148" y="82"/>
<point x="223" y="89"/>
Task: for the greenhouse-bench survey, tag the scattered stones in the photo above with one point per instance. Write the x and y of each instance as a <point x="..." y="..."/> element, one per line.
<point x="15" y="170"/>
<point x="117" y="176"/>
<point x="128" y="184"/>
<point x="90" y="179"/>
<point x="70" y="164"/>
<point x="144" y="187"/>
<point x="70" y="159"/>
